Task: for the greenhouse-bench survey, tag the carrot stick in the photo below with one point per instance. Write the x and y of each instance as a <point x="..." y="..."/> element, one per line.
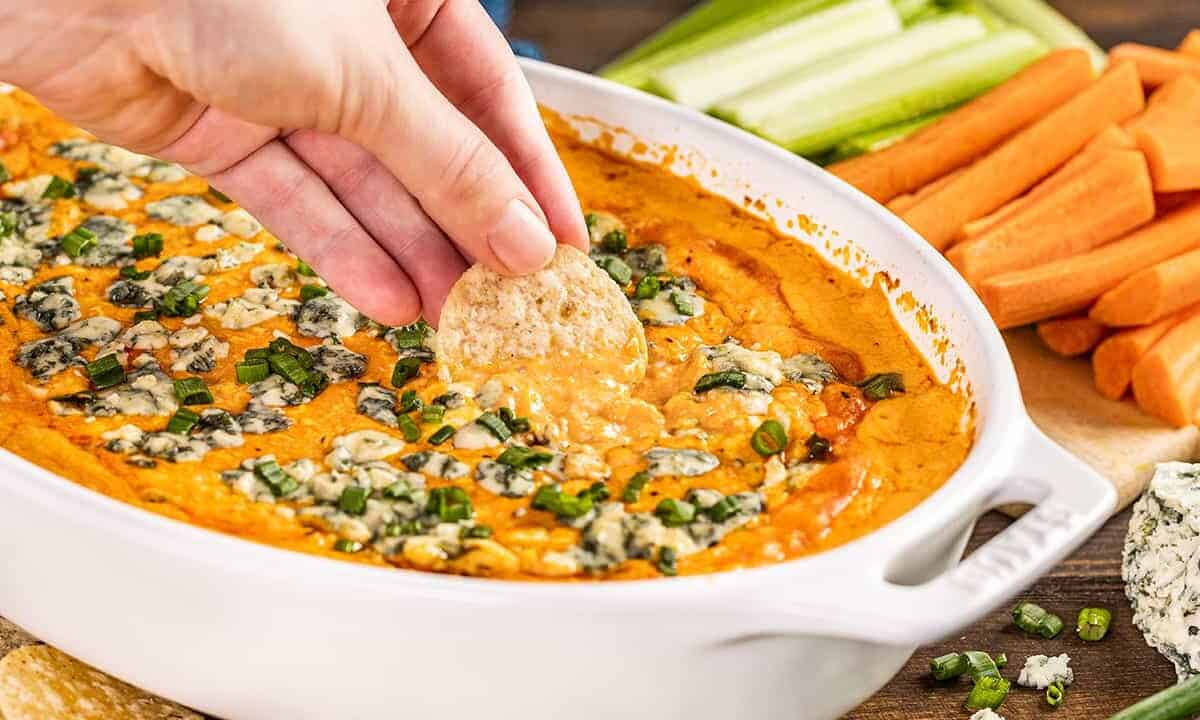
<point x="1155" y="65"/>
<point x="899" y="205"/>
<point x="1071" y="336"/>
<point x="1098" y="204"/>
<point x="1114" y="359"/>
<point x="1112" y="137"/>
<point x="970" y="131"/>
<point x="1071" y="284"/>
<point x="1152" y="294"/>
<point x="1170" y="202"/>
<point x="1028" y="156"/>
<point x="1169" y="135"/>
<point x="1166" y="381"/>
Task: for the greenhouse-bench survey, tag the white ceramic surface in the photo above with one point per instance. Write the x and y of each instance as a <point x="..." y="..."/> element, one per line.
<point x="247" y="631"/>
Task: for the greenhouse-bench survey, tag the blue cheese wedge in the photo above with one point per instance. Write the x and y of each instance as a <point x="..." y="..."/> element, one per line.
<point x="1159" y="565"/>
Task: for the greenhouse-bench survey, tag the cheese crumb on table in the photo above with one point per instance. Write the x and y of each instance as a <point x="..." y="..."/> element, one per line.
<point x="1041" y="671"/>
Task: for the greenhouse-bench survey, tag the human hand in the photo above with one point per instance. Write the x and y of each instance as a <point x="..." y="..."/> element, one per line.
<point x="388" y="144"/>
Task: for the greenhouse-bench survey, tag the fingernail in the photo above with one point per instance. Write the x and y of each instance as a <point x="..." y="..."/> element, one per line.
<point x="520" y="240"/>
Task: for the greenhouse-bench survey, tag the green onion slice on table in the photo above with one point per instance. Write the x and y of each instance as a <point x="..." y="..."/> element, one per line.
<point x="1093" y="623"/>
<point x="1034" y="620"/>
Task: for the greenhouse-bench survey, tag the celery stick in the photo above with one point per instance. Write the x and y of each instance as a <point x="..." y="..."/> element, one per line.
<point x="937" y="82"/>
<point x="700" y="19"/>
<point x="760" y="17"/>
<point x="882" y="138"/>
<point x="748" y="109"/>
<point x="1050" y="25"/>
<point x="909" y="9"/>
<point x="706" y="79"/>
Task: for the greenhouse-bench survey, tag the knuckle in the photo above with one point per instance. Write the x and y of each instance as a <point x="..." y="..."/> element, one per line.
<point x="472" y="166"/>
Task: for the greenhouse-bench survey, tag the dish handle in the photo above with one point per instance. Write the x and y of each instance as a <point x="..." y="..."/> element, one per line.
<point x="1069" y="499"/>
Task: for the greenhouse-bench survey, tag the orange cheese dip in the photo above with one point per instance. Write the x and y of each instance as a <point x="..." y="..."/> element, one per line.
<point x="340" y="439"/>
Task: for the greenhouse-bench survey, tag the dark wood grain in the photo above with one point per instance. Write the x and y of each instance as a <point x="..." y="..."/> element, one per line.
<point x="1111" y="674"/>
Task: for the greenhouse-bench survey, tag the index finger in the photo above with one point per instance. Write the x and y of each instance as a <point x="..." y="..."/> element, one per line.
<point x="459" y="48"/>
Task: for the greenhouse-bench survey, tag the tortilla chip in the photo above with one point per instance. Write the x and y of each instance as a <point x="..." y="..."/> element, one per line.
<point x="40" y="683"/>
<point x="13" y="637"/>
<point x="571" y="309"/>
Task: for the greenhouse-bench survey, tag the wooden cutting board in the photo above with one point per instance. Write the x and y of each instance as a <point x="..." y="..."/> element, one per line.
<point x="1115" y="438"/>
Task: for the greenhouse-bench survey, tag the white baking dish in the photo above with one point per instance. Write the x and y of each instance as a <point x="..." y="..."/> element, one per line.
<point x="246" y="631"/>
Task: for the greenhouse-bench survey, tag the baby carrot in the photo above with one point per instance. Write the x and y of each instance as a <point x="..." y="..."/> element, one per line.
<point x="1071" y="336"/>
<point x="1155" y="65"/>
<point x="1168" y="132"/>
<point x="1114" y="359"/>
<point x="902" y="202"/>
<point x="1071" y="284"/>
<point x="1028" y="156"/>
<point x="1113" y="137"/>
<point x="970" y="131"/>
<point x="1152" y="294"/>
<point x="1098" y="204"/>
<point x="1166" y="381"/>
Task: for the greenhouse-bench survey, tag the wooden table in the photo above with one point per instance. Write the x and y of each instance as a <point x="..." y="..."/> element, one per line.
<point x="1109" y="675"/>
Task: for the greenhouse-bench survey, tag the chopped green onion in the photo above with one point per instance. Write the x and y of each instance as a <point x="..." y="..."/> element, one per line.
<point x="770" y="438"/>
<point x="78" y="241"/>
<point x="981" y="665"/>
<point x="406" y="369"/>
<point x="450" y="504"/>
<point x="409" y="401"/>
<point x="105" y="372"/>
<point x="252" y="371"/>
<point x="347" y="546"/>
<point x="818" y="447"/>
<point x="1034" y="620"/>
<point x="148" y="245"/>
<point x="633" y="489"/>
<point x="666" y="564"/>
<point x="183" y="421"/>
<point x="314" y="384"/>
<point x="441" y="435"/>
<point x="1178" y="702"/>
<point x="512" y="422"/>
<point x="58" y="188"/>
<point x="129" y="272"/>
<point x="1056" y="693"/>
<point x="220" y="196"/>
<point x="949" y="666"/>
<point x="275" y="478"/>
<point x="8" y="223"/>
<point x="144" y="315"/>
<point x="303" y="268"/>
<point x="614" y="242"/>
<point x="353" y="500"/>
<point x="722" y="510"/>
<point x="1001" y="659"/>
<point x="192" y="391"/>
<point x="477" y="532"/>
<point x="288" y="367"/>
<point x="552" y="499"/>
<point x="616" y="268"/>
<point x="408" y="428"/>
<point x="257" y="354"/>
<point x="1093" y="623"/>
<point x="989" y="692"/>
<point x="432" y="414"/>
<point x="183" y="300"/>
<point x="596" y="492"/>
<point x="308" y="292"/>
<point x="523" y="458"/>
<point x="5" y="176"/>
<point x="410" y="337"/>
<point x="494" y="425"/>
<point x="675" y="513"/>
<point x="647" y="288"/>
<point x="882" y="385"/>
<point x="683" y="304"/>
<point x="287" y="347"/>
<point x="725" y="378"/>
